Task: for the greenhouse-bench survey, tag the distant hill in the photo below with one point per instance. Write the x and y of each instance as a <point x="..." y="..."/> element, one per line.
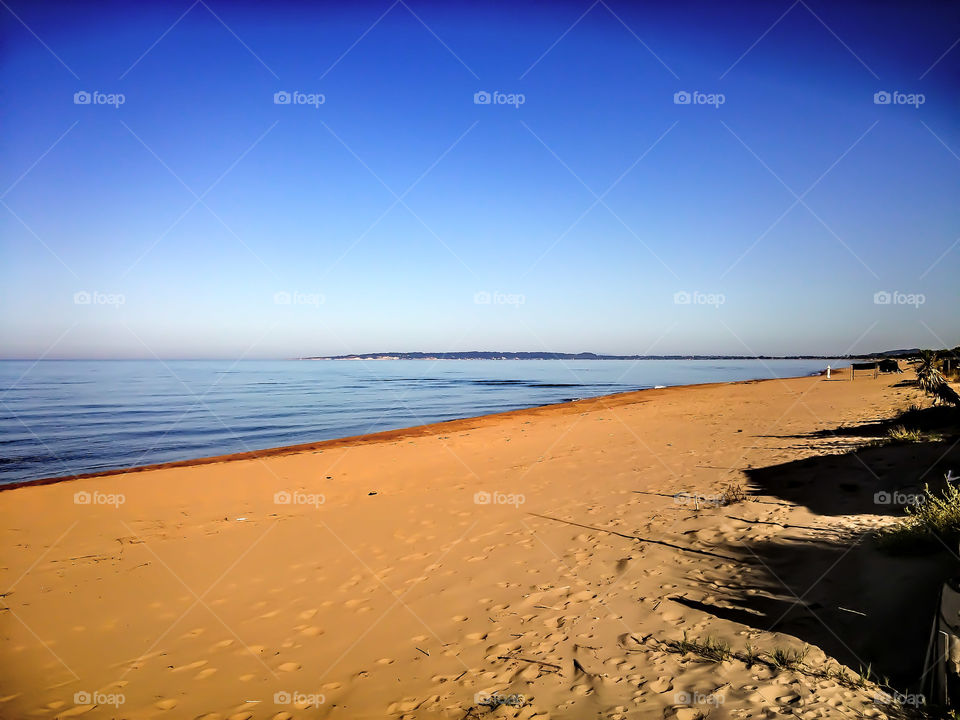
<point x="496" y="355"/>
<point x="898" y="353"/>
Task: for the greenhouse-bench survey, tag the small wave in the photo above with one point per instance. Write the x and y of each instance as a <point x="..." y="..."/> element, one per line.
<point x="554" y="385"/>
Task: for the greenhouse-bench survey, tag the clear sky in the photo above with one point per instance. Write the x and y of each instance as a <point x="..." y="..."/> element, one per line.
<point x="200" y="218"/>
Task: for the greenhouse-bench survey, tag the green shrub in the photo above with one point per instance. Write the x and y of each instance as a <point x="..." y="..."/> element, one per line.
<point x="899" y="433"/>
<point x="932" y="523"/>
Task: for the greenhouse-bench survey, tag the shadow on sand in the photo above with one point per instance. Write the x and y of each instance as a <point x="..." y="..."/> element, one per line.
<point x="863" y="607"/>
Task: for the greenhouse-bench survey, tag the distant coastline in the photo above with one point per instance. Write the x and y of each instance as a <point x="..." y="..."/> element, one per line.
<point x="494" y="355"/>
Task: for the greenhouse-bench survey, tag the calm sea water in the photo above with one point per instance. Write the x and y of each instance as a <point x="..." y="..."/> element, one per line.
<point x="68" y="417"/>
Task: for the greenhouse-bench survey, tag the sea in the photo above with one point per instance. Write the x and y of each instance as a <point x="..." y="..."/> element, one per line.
<point x="66" y="417"/>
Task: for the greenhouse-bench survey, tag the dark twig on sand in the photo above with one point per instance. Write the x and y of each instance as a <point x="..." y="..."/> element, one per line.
<point x="529" y="660"/>
<point x="662" y="543"/>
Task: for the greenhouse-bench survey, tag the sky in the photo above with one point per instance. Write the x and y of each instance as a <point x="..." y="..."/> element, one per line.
<point x="217" y="179"/>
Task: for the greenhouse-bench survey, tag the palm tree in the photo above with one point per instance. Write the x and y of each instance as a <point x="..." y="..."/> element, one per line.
<point x="929" y="378"/>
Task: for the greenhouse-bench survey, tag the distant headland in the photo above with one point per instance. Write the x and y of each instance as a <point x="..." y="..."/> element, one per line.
<point x="496" y="355"/>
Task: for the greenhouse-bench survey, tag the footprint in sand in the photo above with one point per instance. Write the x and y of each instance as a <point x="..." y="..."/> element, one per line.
<point x="191" y="666"/>
<point x="529" y="673"/>
<point x="307" y="614"/>
<point x="167" y="704"/>
<point x="203" y="674"/>
<point x="288" y="667"/>
<point x="661" y="685"/>
<point x="78" y="710"/>
<point x="311" y="631"/>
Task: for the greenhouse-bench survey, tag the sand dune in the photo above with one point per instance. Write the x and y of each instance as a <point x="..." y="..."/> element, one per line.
<point x="534" y="564"/>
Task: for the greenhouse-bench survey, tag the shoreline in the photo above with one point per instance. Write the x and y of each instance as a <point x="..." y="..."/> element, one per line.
<point x="383" y="435"/>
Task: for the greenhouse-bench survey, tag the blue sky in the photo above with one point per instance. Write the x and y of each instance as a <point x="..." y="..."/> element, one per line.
<point x="401" y="215"/>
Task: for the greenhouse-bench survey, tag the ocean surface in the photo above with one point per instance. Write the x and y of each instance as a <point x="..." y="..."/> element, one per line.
<point x="63" y="417"/>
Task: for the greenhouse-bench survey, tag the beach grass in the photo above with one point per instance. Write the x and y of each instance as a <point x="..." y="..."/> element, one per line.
<point x="931" y="524"/>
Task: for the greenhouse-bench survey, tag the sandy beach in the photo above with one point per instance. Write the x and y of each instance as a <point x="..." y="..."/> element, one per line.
<point x="539" y="563"/>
